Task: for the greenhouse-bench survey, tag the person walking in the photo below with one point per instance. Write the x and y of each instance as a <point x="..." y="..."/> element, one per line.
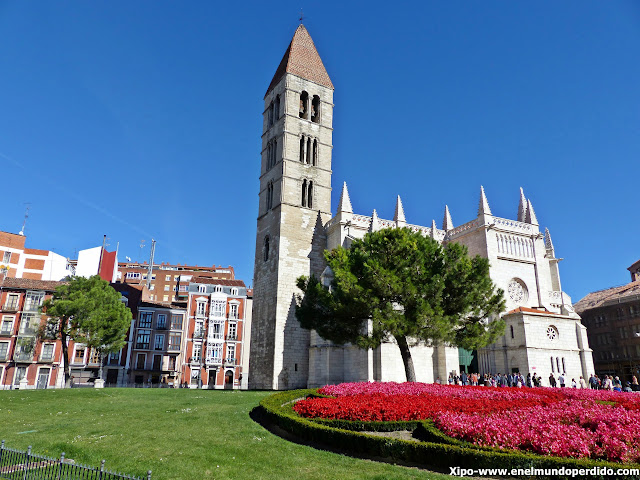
<point x="552" y="380"/>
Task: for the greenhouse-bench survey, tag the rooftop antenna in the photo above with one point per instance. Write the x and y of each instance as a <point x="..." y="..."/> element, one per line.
<point x="150" y="270"/>
<point x="26" y="215"/>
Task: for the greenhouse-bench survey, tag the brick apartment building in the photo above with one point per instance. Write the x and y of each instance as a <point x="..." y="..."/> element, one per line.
<point x="17" y="261"/>
<point x="612" y="318"/>
<point x="169" y="282"/>
<point x="24" y="360"/>
<point x="218" y="333"/>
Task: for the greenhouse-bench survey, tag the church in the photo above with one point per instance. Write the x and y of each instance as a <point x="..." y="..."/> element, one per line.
<point x="295" y="225"/>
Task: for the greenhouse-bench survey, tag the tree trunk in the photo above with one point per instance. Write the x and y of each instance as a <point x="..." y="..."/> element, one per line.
<point x="65" y="355"/>
<point x="406" y="358"/>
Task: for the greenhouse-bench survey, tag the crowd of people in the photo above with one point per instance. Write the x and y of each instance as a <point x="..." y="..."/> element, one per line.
<point x="608" y="382"/>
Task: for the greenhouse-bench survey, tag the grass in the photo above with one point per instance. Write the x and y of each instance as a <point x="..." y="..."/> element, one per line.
<point x="178" y="434"/>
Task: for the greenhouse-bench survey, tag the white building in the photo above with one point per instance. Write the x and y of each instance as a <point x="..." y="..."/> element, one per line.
<point x="295" y="225"/>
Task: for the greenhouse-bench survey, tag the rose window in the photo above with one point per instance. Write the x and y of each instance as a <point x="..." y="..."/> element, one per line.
<point x="552" y="332"/>
<point x="517" y="291"/>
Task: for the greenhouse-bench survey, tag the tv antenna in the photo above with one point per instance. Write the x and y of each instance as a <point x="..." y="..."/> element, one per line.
<point x="26" y="215"/>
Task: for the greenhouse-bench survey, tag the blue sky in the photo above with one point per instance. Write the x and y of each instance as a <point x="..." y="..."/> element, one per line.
<point x="143" y="119"/>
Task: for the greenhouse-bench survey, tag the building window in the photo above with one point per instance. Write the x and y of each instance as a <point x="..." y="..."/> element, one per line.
<point x="4" y="348"/>
<point x="114" y="357"/>
<point x="511" y="327"/>
<point x="166" y="288"/>
<point x="158" y="342"/>
<point x="33" y="301"/>
<point x="304" y="193"/>
<point x="201" y="308"/>
<point x="141" y="359"/>
<point x="47" y="352"/>
<point x="217" y="330"/>
<point x="552" y="368"/>
<point x="231" y="353"/>
<point x="198" y="331"/>
<point x="202" y="289"/>
<point x="6" y="257"/>
<point x="233" y="311"/>
<point x="142" y="341"/>
<point x="133" y="275"/>
<point x="12" y="301"/>
<point x="564" y="368"/>
<point x="161" y="321"/>
<point x="218" y="289"/>
<point x="174" y="341"/>
<point x="552" y="333"/>
<point x="314" y="160"/>
<point x="265" y="249"/>
<point x="145" y="320"/>
<point x="94" y="356"/>
<point x="21" y="372"/>
<point x="157" y="362"/>
<point x="310" y="195"/>
<point x="176" y="322"/>
<point x="234" y="291"/>
<point x="197" y="352"/>
<point x="276" y="108"/>
<point x="558" y="364"/>
<point x="315" y="109"/>
<point x="218" y="308"/>
<point x="214" y="353"/>
<point x="28" y="323"/>
<point x="78" y="356"/>
<point x="233" y="331"/>
<point x="165" y="298"/>
<point x="167" y="278"/>
<point x="269" y="196"/>
<point x="304" y="105"/>
<point x="7" y="325"/>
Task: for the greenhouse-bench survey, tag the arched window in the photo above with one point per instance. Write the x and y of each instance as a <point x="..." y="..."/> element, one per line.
<point x="276" y="108"/>
<point x="315" y="152"/>
<point x="270" y="115"/>
<point x="315" y="109"/>
<point x="511" y="326"/>
<point x="304" y="105"/>
<point x="304" y="193"/>
<point x="302" y="144"/>
<point x="268" y="155"/>
<point x="310" y="195"/>
<point x="269" y="196"/>
<point x="309" y="150"/>
<point x="265" y="249"/>
<point x="552" y="369"/>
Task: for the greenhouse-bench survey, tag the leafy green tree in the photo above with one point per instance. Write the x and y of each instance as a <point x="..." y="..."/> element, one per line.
<point x="87" y="311"/>
<point x="408" y="287"/>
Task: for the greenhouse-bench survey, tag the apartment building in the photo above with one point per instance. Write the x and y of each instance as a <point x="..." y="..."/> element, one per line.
<point x="169" y="282"/>
<point x="156" y="344"/>
<point x="25" y="361"/>
<point x="216" y="333"/>
<point x="17" y="261"/>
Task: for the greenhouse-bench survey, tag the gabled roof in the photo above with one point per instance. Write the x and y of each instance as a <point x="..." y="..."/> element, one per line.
<point x="302" y="59"/>
<point x="617" y="294"/>
<point x="30" y="284"/>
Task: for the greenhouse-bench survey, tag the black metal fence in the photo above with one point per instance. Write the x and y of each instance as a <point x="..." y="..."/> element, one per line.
<point x="20" y="465"/>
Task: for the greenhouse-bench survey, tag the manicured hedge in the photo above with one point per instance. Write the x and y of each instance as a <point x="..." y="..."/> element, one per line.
<point x="436" y="449"/>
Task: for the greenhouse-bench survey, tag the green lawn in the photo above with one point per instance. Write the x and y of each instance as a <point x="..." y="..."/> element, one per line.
<point x="178" y="434"/>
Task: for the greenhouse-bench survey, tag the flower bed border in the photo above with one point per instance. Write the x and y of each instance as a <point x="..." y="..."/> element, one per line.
<point x="434" y="450"/>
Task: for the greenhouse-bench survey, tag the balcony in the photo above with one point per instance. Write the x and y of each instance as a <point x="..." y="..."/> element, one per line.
<point x="32" y="307"/>
<point x="142" y="346"/>
<point x="10" y="307"/>
<point x="233" y="316"/>
<point x="6" y="333"/>
<point x="46" y="358"/>
<point x="161" y="326"/>
<point x="198" y="334"/>
<point x="229" y="361"/>
<point x="232" y="337"/>
<point x="195" y="360"/>
<point x="23" y="356"/>
<point x="214" y="361"/>
<point x="173" y="348"/>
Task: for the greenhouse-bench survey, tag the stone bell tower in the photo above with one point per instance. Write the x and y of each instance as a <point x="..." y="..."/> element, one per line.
<point x="294" y="206"/>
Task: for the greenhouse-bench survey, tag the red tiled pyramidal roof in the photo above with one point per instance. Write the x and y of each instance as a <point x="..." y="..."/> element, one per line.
<point x="302" y="59"/>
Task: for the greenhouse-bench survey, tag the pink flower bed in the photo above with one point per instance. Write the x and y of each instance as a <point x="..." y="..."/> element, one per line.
<point x="548" y="421"/>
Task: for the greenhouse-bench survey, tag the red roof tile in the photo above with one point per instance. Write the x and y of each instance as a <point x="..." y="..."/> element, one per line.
<point x="531" y="310"/>
<point x="302" y="59"/>
<point x="596" y="299"/>
<point x="29" y="284"/>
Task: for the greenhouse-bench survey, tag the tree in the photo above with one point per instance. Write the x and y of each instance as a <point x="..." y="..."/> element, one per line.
<point x="87" y="311"/>
<point x="408" y="287"/>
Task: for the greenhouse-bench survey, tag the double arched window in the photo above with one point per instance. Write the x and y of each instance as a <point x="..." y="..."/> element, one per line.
<point x="308" y="150"/>
<point x="307" y="193"/>
<point x="305" y="108"/>
<point x="273" y="113"/>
